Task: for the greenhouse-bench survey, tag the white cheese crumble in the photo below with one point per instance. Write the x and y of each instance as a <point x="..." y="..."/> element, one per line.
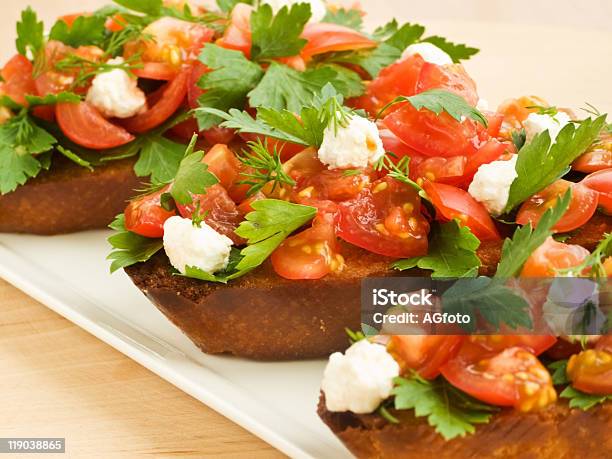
<point x="536" y="123"/>
<point x="491" y="184"/>
<point x="198" y="246"/>
<point x="429" y="52"/>
<point x="482" y="105"/>
<point x="317" y="7"/>
<point x="360" y="379"/>
<point x="115" y="93"/>
<point x="355" y="145"/>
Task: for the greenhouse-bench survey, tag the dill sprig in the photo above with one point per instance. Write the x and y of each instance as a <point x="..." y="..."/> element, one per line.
<point x="87" y="68"/>
<point x="263" y="168"/>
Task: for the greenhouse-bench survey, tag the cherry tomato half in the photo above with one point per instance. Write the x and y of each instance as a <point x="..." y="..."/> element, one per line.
<point x="597" y="157"/>
<point x="17" y="79"/>
<point x="591" y="371"/>
<point x="310" y="254"/>
<point x="223" y="163"/>
<point x="452" y="77"/>
<point x="581" y="208"/>
<point x="146" y="216"/>
<point x="601" y="182"/>
<point x="424" y="354"/>
<point x="325" y="37"/>
<point x="513" y="377"/>
<point x="551" y="256"/>
<point x="451" y="202"/>
<point x="385" y="218"/>
<point x="536" y="344"/>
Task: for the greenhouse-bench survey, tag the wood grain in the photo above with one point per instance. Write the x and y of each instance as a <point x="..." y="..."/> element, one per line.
<point x="59" y="381"/>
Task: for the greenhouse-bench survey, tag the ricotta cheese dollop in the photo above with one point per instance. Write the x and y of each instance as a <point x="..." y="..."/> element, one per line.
<point x="429" y="52"/>
<point x="360" y="379"/>
<point x="491" y="184"/>
<point x="536" y="123"/>
<point x="317" y="7"/>
<point x="355" y="145"/>
<point x="115" y="93"/>
<point x="200" y="246"/>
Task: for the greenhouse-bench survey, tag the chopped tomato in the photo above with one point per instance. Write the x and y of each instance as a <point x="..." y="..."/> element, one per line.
<point x="70" y="18"/>
<point x="516" y="111"/>
<point x="246" y="205"/>
<point x="223" y="163"/>
<point x="444" y="170"/>
<point x="581" y="208"/>
<point x="551" y="256"/>
<point x="605" y="342"/>
<point x="310" y="254"/>
<point x="451" y="202"/>
<point x="193" y="90"/>
<point x="608" y="267"/>
<point x="494" y="123"/>
<point x="295" y="62"/>
<point x="591" y="371"/>
<point x="452" y="77"/>
<point x="217" y="134"/>
<point x="424" y="354"/>
<point x="490" y="151"/>
<point x="601" y="182"/>
<point x="513" y="377"/>
<point x="597" y="157"/>
<point x="161" y="71"/>
<point x="174" y="42"/>
<point x="286" y="150"/>
<point x="115" y="23"/>
<point x="431" y="134"/>
<point x="85" y="126"/>
<point x="237" y="35"/>
<point x="536" y="344"/>
<point x="398" y="79"/>
<point x="385" y="218"/>
<point x="325" y="37"/>
<point x="222" y="215"/>
<point x="146" y="216"/>
<point x="334" y="185"/>
<point x="304" y="164"/>
<point x="17" y="79"/>
<point x="169" y="98"/>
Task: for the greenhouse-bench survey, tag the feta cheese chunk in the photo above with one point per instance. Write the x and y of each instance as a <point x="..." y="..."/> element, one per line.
<point x="317" y="7"/>
<point x="115" y="94"/>
<point x="491" y="184"/>
<point x="482" y="105"/>
<point x="360" y="379"/>
<point x="355" y="145"/>
<point x="535" y="124"/>
<point x="429" y="52"/>
<point x="198" y="246"/>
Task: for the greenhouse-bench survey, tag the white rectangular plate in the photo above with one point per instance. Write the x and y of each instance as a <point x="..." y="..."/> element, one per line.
<point x="69" y="274"/>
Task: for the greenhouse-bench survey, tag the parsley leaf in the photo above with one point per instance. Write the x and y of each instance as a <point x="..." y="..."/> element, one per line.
<point x="451" y="412"/>
<point x="129" y="248"/>
<point x="85" y="30"/>
<point x="525" y="240"/>
<point x="539" y="164"/>
<point x="227" y="85"/>
<point x="457" y="52"/>
<point x="30" y="34"/>
<point x="452" y="253"/>
<point x="581" y="400"/>
<point x="192" y="176"/>
<point x="285" y="88"/>
<point x="348" y="17"/>
<point x="278" y="35"/>
<point x="440" y="100"/>
<point x="15" y="168"/>
<point x="150" y="7"/>
<point x="159" y="158"/>
<point x="559" y="372"/>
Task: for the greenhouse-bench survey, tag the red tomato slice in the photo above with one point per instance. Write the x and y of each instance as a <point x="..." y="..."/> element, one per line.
<point x="431" y="134"/>
<point x="18" y="80"/>
<point x="146" y="216"/>
<point x="324" y="38"/>
<point x="598" y="156"/>
<point x="238" y="34"/>
<point x="223" y="215"/>
<point x="553" y="255"/>
<point x="601" y="182"/>
<point x="451" y="202"/>
<point x="331" y="185"/>
<point x="398" y="79"/>
<point x="513" y="377"/>
<point x="494" y="123"/>
<point x="169" y="100"/>
<point x="536" y="344"/>
<point x="156" y="71"/>
<point x="223" y="163"/>
<point x="385" y="218"/>
<point x="490" y="151"/>
<point x="310" y="254"/>
<point x="424" y="354"/>
<point x="443" y="170"/>
<point x="581" y="208"/>
<point x="84" y="125"/>
<point x="591" y="371"/>
<point x="452" y="77"/>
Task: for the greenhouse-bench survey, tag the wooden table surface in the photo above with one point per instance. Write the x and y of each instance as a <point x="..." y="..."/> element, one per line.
<point x="57" y="380"/>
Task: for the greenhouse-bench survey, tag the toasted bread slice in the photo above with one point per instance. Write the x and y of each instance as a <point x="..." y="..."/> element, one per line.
<point x="266" y="317"/>
<point x="556" y="432"/>
<point x="69" y="198"/>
